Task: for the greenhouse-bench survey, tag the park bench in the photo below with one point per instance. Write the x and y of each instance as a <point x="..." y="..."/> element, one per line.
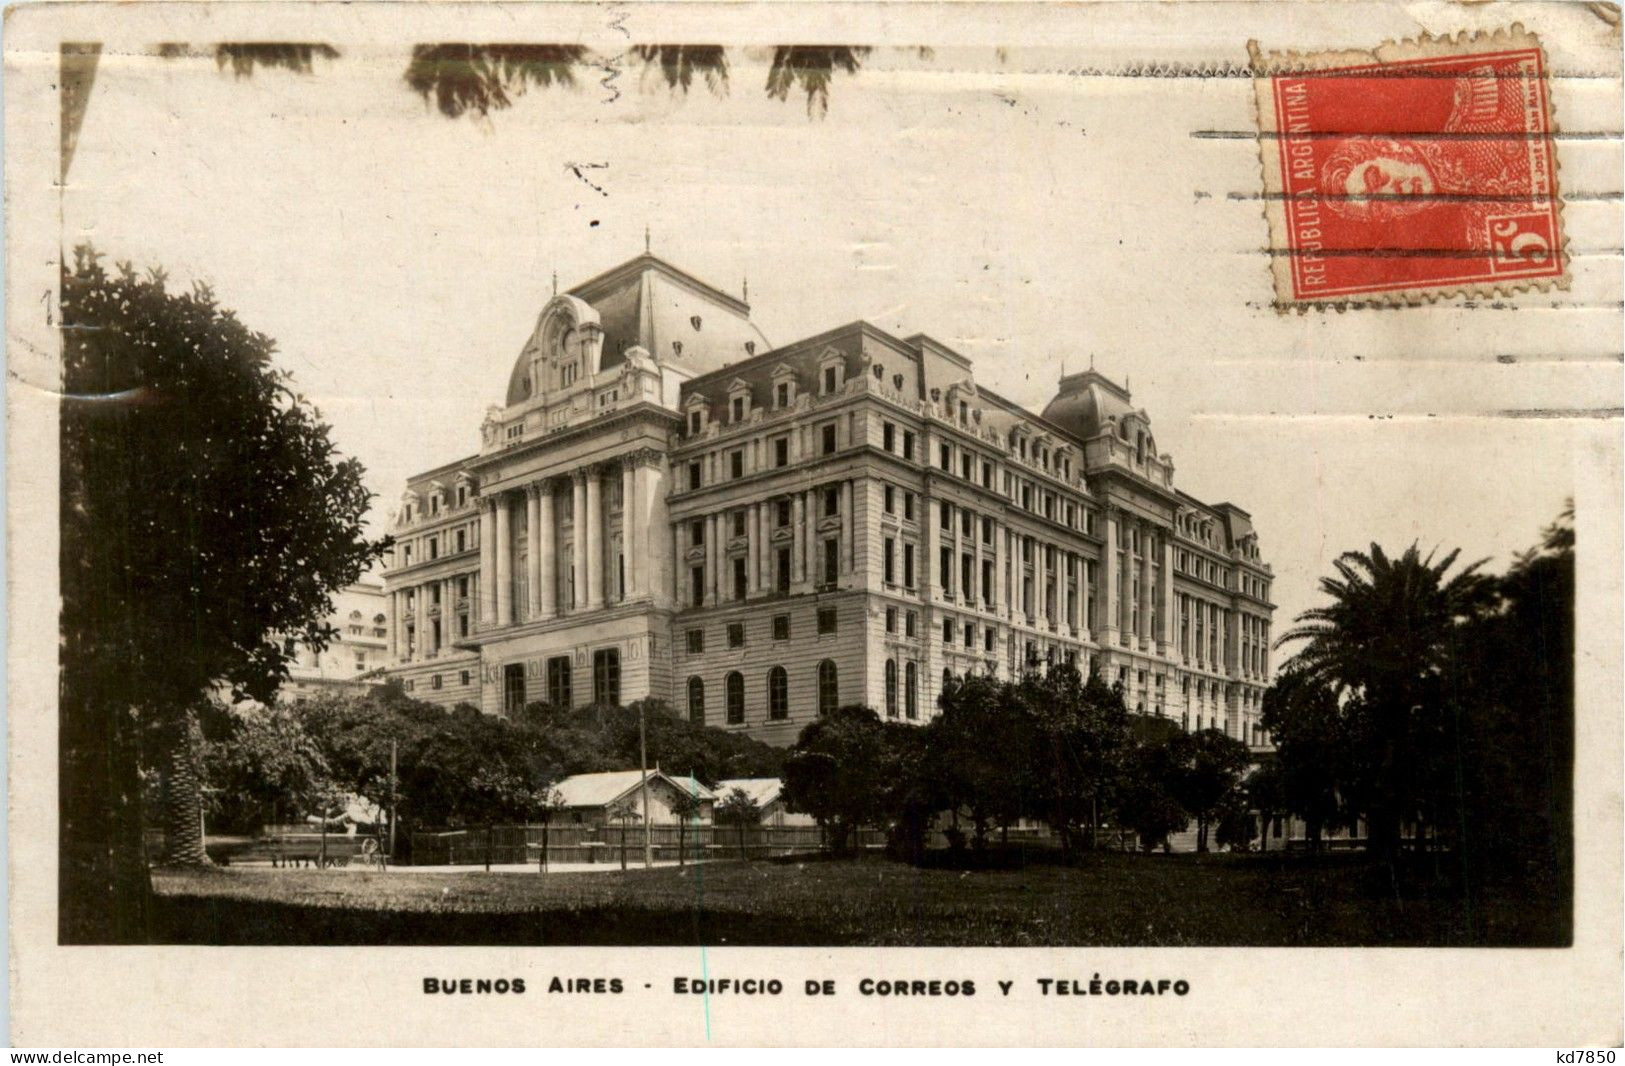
<point x="304" y="850"/>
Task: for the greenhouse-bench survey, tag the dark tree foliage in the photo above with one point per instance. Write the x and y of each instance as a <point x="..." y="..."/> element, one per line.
<point x="679" y="63"/>
<point x="482" y="78"/>
<point x="1148" y="804"/>
<point x="1384" y="641"/>
<point x="1082" y="742"/>
<point x="1321" y="774"/>
<point x="206" y="519"/>
<point x="260" y="764"/>
<point x="838" y="772"/>
<point x="812" y="68"/>
<point x="981" y="779"/>
<point x="245" y="57"/>
<point x="1206" y="780"/>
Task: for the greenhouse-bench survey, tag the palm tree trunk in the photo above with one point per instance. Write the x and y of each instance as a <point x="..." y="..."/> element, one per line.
<point x="183" y="799"/>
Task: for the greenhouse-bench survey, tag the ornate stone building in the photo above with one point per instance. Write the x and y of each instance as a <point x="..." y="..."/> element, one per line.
<point x="667" y="505"/>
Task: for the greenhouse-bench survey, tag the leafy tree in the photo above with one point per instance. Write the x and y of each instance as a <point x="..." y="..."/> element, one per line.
<point x="623" y="812"/>
<point x="1384" y="640"/>
<point x="206" y="520"/>
<point x="970" y="744"/>
<point x="685" y="807"/>
<point x="263" y="763"/>
<point x="739" y="810"/>
<point x="1207" y="768"/>
<point x="1266" y="793"/>
<point x="1318" y="771"/>
<point x="836" y="772"/>
<point x="1081" y="747"/>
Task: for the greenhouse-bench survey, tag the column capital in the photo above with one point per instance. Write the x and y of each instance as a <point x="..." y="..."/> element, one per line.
<point x="578" y="476"/>
<point x="533" y="489"/>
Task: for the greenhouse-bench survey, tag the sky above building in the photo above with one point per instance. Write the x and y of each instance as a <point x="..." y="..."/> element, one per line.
<point x="1031" y="214"/>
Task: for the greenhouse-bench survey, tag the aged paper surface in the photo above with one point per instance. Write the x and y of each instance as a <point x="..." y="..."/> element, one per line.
<point x="1030" y="208"/>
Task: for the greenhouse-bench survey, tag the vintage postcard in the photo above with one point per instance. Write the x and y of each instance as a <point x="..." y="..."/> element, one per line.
<point x="814" y="524"/>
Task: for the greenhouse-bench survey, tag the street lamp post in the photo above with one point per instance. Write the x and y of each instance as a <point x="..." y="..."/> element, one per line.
<point x="643" y="776"/>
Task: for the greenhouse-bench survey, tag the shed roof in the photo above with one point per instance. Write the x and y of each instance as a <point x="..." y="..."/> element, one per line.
<point x="763" y="790"/>
<point x="600" y="790"/>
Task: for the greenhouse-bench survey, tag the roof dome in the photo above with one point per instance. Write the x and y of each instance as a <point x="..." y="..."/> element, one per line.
<point x="1084" y="403"/>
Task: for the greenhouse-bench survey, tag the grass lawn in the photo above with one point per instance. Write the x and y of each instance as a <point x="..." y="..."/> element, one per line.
<point x="1110" y="899"/>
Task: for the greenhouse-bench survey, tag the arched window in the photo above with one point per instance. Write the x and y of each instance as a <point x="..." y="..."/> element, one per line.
<point x="891" y="688"/>
<point x="829" y="690"/>
<point x="696" y="701"/>
<point x="735" y="686"/>
<point x="778" y="694"/>
<point x="911" y="691"/>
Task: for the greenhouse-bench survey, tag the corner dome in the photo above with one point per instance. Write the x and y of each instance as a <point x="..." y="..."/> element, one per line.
<point x="1085" y="402"/>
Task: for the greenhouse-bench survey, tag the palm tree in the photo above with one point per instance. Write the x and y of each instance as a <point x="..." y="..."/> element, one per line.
<point x="740" y="810"/>
<point x="1382" y="645"/>
<point x="480" y="77"/>
<point x="686" y="806"/>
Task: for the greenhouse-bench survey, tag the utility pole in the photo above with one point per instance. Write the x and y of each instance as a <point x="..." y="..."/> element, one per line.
<point x="392" y="799"/>
<point x="643" y="772"/>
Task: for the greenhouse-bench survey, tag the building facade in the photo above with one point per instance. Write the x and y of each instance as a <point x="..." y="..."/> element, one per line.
<point x="359" y="653"/>
<point x="666" y="505"/>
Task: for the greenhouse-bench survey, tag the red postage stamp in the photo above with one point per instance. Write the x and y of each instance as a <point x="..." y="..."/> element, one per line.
<point x="1418" y="170"/>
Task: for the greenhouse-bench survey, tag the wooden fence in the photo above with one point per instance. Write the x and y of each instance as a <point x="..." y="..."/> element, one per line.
<point x="509" y="844"/>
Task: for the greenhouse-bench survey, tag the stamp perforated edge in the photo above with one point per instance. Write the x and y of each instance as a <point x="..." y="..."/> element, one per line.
<point x="1267" y="65"/>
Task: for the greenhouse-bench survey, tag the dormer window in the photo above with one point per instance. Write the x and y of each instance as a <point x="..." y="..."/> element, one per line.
<point x="831" y="371"/>
<point x="736" y="409"/>
<point x="567" y="374"/>
<point x="781" y="394"/>
<point x="695" y="421"/>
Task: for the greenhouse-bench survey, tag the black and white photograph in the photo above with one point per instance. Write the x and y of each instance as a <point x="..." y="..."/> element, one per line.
<point x="1121" y="480"/>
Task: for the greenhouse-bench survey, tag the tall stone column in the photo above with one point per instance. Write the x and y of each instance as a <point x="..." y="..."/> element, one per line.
<point x="1147" y="593"/>
<point x="798" y="539"/>
<point x="533" y="550"/>
<point x="809" y="537"/>
<point x="488" y="560"/>
<point x="713" y="560"/>
<point x="594" y="527"/>
<point x="397" y="625"/>
<point x="504" y="567"/>
<point x="764" y="531"/>
<point x="992" y="594"/>
<point x="632" y="526"/>
<point x="848" y="528"/>
<point x="578" y="546"/>
<point x="1165" y="638"/>
<point x="753" y="549"/>
<point x="1111" y="585"/>
<point x="547" y="581"/>
<point x="1063" y="602"/>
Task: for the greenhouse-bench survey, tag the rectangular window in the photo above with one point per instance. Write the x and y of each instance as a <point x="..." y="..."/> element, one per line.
<point x="828" y="433"/>
<point x="947" y="630"/>
<point x="945" y="571"/>
<point x="910" y="622"/>
<point x="782" y="394"/>
<point x="987" y="581"/>
<point x="781" y="627"/>
<point x="832" y="560"/>
<point x="826" y="620"/>
<point x="781" y="451"/>
<point x="967" y="573"/>
<point x="966" y="519"/>
<point x="891" y="619"/>
<point x="783" y="583"/>
<point x="462" y="540"/>
<point x="736" y="409"/>
<point x="889" y="494"/>
<point x="736" y="634"/>
<point x="513" y="688"/>
<point x="965" y="467"/>
<point x="782" y="509"/>
<point x="696" y="532"/>
<point x="738" y="521"/>
<point x="889" y="571"/>
<point x="464" y="677"/>
<point x="945" y="515"/>
<point x="736" y="463"/>
<point x="908" y="444"/>
<point x="434" y="682"/>
<point x="987" y="475"/>
<point x="908" y="566"/>
<point x="462" y="588"/>
<point x="829" y="380"/>
<point x="606" y="677"/>
<point x="888" y="433"/>
<point x="696" y="578"/>
<point x="694" y="475"/>
<point x="945" y="457"/>
<point x="740" y="585"/>
<point x="696" y="641"/>
<point x="832" y="502"/>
